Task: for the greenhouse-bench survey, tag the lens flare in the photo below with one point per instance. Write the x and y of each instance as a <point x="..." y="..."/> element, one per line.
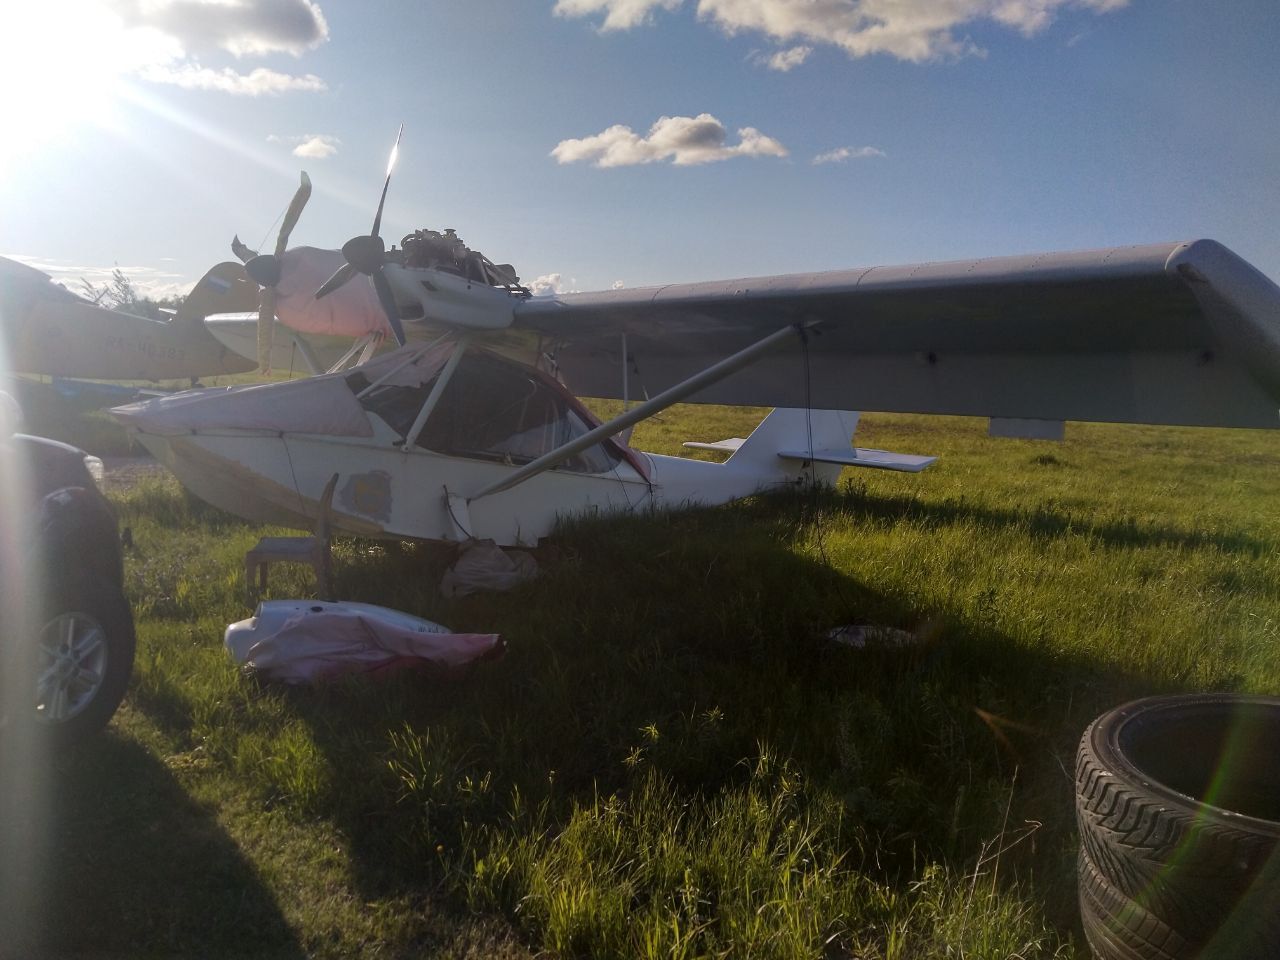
<point x="25" y="830"/>
<point x="61" y="67"/>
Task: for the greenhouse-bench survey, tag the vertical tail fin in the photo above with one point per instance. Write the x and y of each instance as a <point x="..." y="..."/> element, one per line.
<point x="226" y="288"/>
<point x="793" y="429"/>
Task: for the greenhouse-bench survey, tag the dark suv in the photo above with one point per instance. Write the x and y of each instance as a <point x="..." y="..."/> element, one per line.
<point x="66" y="649"/>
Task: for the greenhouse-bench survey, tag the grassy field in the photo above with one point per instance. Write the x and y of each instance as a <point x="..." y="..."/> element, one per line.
<point x="673" y="760"/>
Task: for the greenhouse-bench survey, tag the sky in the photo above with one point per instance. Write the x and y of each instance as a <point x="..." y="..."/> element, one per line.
<point x="595" y="143"/>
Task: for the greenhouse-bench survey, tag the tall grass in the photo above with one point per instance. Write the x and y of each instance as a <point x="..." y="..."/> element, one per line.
<point x="766" y="867"/>
<point x="674" y="759"/>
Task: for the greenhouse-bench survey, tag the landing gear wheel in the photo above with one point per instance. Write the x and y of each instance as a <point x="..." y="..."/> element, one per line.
<point x="80" y="663"/>
<point x="1178" y="806"/>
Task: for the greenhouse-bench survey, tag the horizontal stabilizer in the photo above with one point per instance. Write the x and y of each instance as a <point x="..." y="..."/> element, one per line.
<point x="824" y="427"/>
<point x="723" y="446"/>
<point x="863" y="457"/>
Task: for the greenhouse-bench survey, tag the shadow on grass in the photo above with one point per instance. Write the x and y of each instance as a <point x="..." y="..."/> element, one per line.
<point x="105" y="854"/>
<point x="682" y="644"/>
<point x="1045" y="522"/>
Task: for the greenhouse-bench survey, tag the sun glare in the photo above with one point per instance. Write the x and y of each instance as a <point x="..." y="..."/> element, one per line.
<point x="61" y="68"/>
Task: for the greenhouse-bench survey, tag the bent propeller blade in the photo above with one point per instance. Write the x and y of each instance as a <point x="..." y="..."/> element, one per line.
<point x="291" y="215"/>
<point x="242" y="252"/>
<point x="266" y="320"/>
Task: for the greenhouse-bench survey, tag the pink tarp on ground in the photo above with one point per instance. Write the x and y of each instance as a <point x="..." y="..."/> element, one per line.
<point x="300" y="641"/>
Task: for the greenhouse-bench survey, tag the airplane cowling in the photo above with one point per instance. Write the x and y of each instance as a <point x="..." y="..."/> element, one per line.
<point x="351" y="311"/>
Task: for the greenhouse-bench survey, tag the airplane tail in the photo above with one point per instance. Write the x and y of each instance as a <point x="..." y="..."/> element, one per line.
<point x="784" y="437"/>
<point x="226" y="288"/>
<point x="809" y="443"/>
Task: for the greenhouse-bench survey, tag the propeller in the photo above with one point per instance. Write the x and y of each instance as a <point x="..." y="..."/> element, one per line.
<point x="366" y="255"/>
<point x="265" y="269"/>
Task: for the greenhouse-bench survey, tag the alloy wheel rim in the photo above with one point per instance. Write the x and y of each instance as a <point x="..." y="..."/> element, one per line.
<point x="71" y="668"/>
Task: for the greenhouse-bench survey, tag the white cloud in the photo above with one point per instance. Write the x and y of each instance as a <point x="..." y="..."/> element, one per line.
<point x="685" y="141"/>
<point x="617" y="285"/>
<point x="618" y="14"/>
<point x="155" y="289"/>
<point x="914" y="30"/>
<point x="240" y="27"/>
<point x="171" y="41"/>
<point x="783" y="61"/>
<point x="146" y="281"/>
<point x="551" y="284"/>
<point x="318" y="147"/>
<point x="841" y="154"/>
<point x="256" y="83"/>
<point x="314" y="146"/>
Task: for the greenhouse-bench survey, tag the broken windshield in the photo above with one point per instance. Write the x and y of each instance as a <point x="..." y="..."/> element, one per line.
<point x="491" y="409"/>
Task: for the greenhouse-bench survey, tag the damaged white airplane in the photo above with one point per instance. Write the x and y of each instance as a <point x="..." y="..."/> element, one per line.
<point x="473" y="429"/>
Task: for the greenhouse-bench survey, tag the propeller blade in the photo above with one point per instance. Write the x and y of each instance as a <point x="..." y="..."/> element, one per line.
<point x="389" y="305"/>
<point x="391" y="163"/>
<point x="291" y="215"/>
<point x="266" y="317"/>
<point x="242" y="252"/>
<point x="365" y="254"/>
<point x="340" y="276"/>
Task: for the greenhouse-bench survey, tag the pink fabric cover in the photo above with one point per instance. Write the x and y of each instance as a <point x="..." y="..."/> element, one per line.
<point x="352" y="310"/>
<point x="315" y="646"/>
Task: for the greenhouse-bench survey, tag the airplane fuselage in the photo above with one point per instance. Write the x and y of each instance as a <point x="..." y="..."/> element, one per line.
<point x="386" y="491"/>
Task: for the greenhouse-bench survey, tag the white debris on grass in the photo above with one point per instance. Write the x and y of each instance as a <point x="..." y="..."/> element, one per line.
<point x="870" y="636"/>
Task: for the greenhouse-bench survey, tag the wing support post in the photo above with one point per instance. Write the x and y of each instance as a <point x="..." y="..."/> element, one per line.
<point x="712" y="374"/>
<point x="367" y="343"/>
<point x="308" y="356"/>
<point x="437" y="391"/>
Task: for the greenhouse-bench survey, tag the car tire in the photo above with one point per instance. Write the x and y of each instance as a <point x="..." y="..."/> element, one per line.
<point x="1178" y="807"/>
<point x="1118" y="927"/>
<point x="79" y="659"/>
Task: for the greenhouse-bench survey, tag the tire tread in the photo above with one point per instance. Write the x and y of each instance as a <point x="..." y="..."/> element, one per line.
<point x="1160" y="879"/>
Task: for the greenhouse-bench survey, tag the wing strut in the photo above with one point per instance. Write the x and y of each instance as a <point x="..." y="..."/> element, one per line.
<point x="712" y="374"/>
<point x="437" y="391"/>
<point x="356" y="347"/>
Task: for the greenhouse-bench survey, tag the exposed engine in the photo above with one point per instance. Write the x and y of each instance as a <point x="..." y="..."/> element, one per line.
<point x="446" y="252"/>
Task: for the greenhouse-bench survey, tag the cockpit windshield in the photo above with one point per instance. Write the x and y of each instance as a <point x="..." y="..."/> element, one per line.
<point x="491" y="409"/>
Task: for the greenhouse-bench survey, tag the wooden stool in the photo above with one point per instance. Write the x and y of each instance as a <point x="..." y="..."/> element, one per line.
<point x="312" y="550"/>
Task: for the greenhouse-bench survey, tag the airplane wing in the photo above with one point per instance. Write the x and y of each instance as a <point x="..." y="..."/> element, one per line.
<point x="1179" y="333"/>
<point x="20" y="281"/>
